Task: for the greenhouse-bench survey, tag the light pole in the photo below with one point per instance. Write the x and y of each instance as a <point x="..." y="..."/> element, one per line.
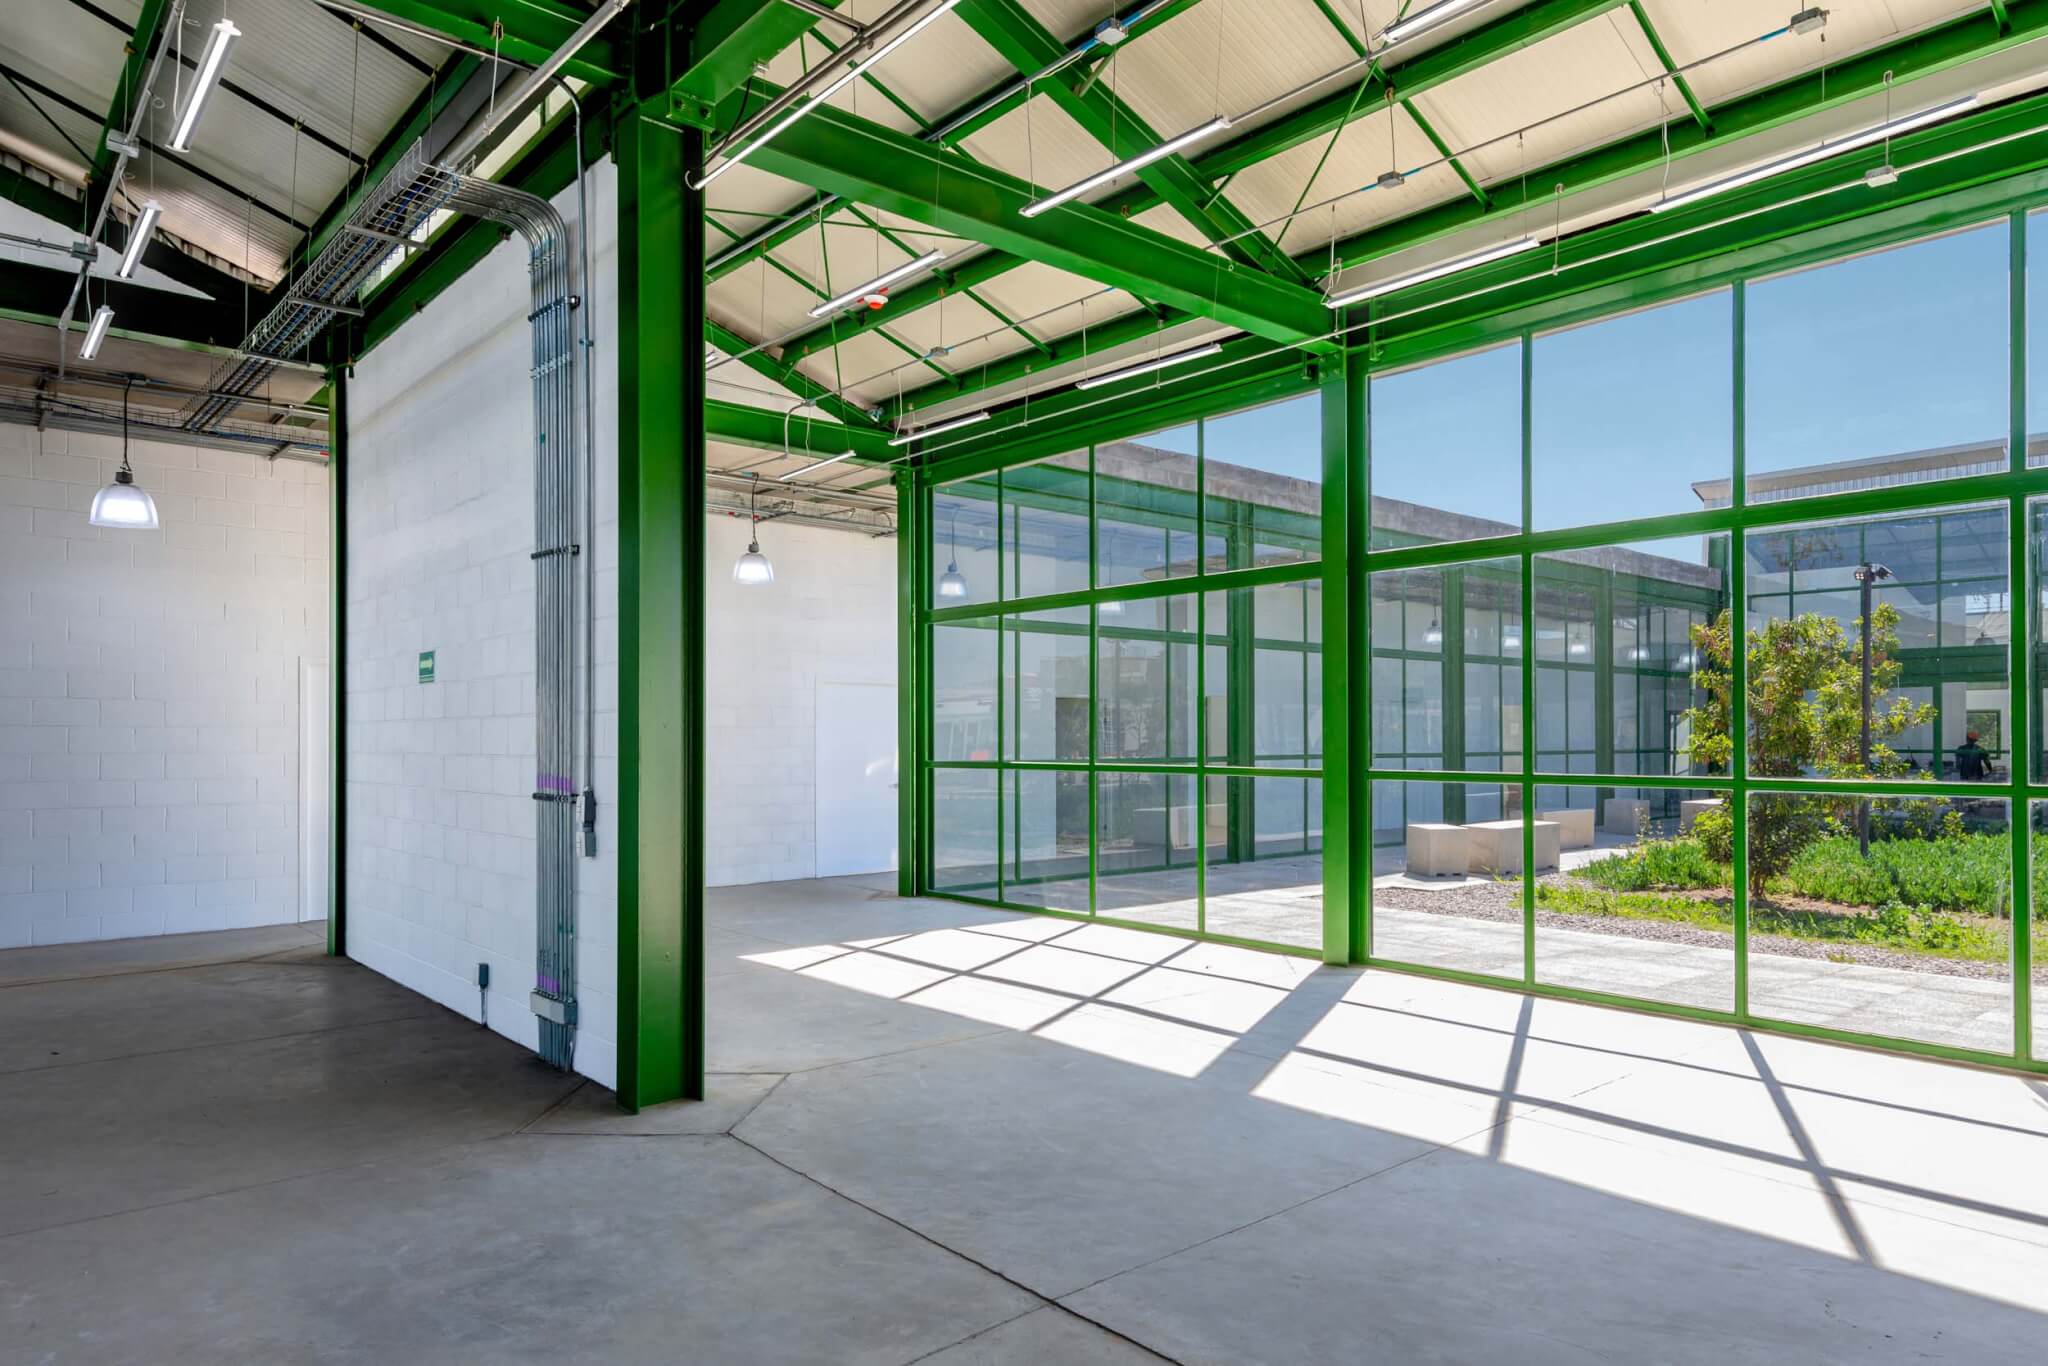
<point x="1866" y="575"/>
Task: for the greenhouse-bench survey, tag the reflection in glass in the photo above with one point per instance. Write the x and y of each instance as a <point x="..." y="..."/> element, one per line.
<point x="1447" y="867"/>
<point x="1265" y="648"/>
<point x="1642" y="902"/>
<point x="1047" y="828"/>
<point x="964" y="854"/>
<point x="1147" y="855"/>
<point x="1835" y="404"/>
<point x="1938" y="700"/>
<point x="1045" y="526"/>
<point x="2037" y="877"/>
<point x="2037" y="340"/>
<point x="1262" y="477"/>
<point x="1145" y="674"/>
<point x="1447" y="667"/>
<point x="1045" y="668"/>
<point x="964" y="690"/>
<point x="1265" y="851"/>
<point x="1888" y="916"/>
<point x="1613" y="437"/>
<point x="1447" y="450"/>
<point x="1615" y="690"/>
<point x="1147" y="513"/>
<point x="965" y="567"/>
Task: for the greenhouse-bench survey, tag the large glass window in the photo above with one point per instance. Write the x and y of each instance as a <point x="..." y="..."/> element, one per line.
<point x="1447" y="648"/>
<point x="1447" y="863"/>
<point x="1633" y="416"/>
<point x="1262" y="483"/>
<point x="1447" y="450"/>
<point x="2037" y="338"/>
<point x="1145" y="679"/>
<point x="1148" y="509"/>
<point x="1883" y="369"/>
<point x="1045" y="527"/>
<point x="1045" y="670"/>
<point x="965" y="563"/>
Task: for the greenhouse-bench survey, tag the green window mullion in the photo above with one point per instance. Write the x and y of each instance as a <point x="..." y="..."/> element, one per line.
<point x="1094" y="682"/>
<point x="1529" y="653"/>
<point x="1738" y="654"/>
<point x="2021" y="695"/>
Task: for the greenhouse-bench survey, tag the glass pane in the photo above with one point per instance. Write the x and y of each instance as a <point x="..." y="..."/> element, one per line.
<point x="1446" y="885"/>
<point x="1045" y="530"/>
<point x="1615" y="689"/>
<point x="963" y="550"/>
<point x="1911" y="937"/>
<point x="1447" y="450"/>
<point x="1634" y="416"/>
<point x="1642" y="902"/>
<point x="2037" y="339"/>
<point x="1835" y="403"/>
<point x="964" y="854"/>
<point x="1045" y="667"/>
<point x="1265" y="851"/>
<point x="1048" y="840"/>
<point x="1145" y="672"/>
<point x="2037" y="863"/>
<point x="1262" y="483"/>
<point x="1447" y="667"/>
<point x="1146" y="512"/>
<point x="1934" y="708"/>
<point x="964" y="690"/>
<point x="1147" y="827"/>
<point x="1264" y="676"/>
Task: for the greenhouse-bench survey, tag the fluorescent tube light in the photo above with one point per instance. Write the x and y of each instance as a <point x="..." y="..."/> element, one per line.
<point x="1818" y="152"/>
<point x="954" y="425"/>
<point x="762" y="139"/>
<point x="102" y="319"/>
<point x="224" y="33"/>
<point x="1435" y="272"/>
<point x="815" y="465"/>
<point x="1142" y="159"/>
<point x="1401" y="30"/>
<point x="1147" y="367"/>
<point x="882" y="281"/>
<point x="138" y="236"/>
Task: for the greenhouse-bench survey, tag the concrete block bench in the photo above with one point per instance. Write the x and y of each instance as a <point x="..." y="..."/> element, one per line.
<point x="1625" y="816"/>
<point x="1574" y="826"/>
<point x="1437" y="850"/>
<point x="1689" y="811"/>
<point x="1497" y="846"/>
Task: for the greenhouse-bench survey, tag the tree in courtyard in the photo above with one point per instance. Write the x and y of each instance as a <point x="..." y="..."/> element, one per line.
<point x="1805" y="718"/>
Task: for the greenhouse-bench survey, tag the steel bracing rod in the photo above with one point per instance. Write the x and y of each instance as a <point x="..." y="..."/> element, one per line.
<point x="138" y="106"/>
<point x="397" y="25"/>
<point x="535" y="83"/>
<point x="821" y="11"/>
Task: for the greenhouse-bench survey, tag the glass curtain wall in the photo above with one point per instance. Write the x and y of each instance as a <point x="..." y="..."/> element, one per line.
<point x="1125" y="697"/>
<point x="1719" y="712"/>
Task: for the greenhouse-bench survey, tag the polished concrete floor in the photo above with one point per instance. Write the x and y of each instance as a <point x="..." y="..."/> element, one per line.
<point x="940" y="1134"/>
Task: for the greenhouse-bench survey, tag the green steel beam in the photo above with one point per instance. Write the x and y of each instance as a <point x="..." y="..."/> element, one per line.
<point x="784" y="373"/>
<point x="1678" y="79"/>
<point x="1008" y="27"/>
<point x="865" y="162"/>
<point x="1940" y="48"/>
<point x="527" y="31"/>
<point x="742" y="424"/>
<point x="149" y="29"/>
<point x="1443" y="149"/>
<point x="714" y="44"/>
<point x="960" y="279"/>
<point x="661" y="618"/>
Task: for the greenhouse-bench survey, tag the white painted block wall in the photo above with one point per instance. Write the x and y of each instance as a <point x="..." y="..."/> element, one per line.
<point x="149" y="686"/>
<point x="440" y="776"/>
<point x="830" y="616"/>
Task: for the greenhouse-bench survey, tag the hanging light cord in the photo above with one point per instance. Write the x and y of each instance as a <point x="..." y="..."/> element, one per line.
<point x="126" y="468"/>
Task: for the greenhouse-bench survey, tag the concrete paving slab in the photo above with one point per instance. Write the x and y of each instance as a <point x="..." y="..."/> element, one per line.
<point x="729" y="1098"/>
<point x="115" y="956"/>
<point x="1051" y="1336"/>
<point x="778" y="1021"/>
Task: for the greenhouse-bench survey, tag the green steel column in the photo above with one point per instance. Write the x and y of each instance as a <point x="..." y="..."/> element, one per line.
<point x="2020" y="689"/>
<point x="1530" y="655"/>
<point x="1347" y="666"/>
<point x="337" y="645"/>
<point x="909" y="753"/>
<point x="661" y="600"/>
<point x="1738" y="656"/>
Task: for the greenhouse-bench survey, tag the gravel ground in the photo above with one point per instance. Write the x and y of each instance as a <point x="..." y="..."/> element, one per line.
<point x="1502" y="901"/>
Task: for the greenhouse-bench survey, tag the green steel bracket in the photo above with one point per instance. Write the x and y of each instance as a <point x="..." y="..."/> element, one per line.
<point x="712" y="48"/>
<point x="1023" y="42"/>
<point x="865" y="162"/>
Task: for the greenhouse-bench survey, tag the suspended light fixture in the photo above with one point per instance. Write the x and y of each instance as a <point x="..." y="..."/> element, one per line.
<point x="1125" y="167"/>
<point x="216" y="56"/>
<point x="752" y="569"/>
<point x="1147" y="367"/>
<point x="138" y="236"/>
<point x="952" y="583"/>
<point x="1820" y="151"/>
<point x="1511" y="639"/>
<point x="1428" y="273"/>
<point x="859" y="293"/>
<point x="96" y="331"/>
<point x="123" y="504"/>
<point x="1435" y="634"/>
<point x="905" y="438"/>
<point x="759" y="140"/>
<point x="1401" y="30"/>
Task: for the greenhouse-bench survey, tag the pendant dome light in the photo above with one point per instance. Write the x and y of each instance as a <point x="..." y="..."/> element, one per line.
<point x="952" y="583"/>
<point x="123" y="504"/>
<point x="752" y="569"/>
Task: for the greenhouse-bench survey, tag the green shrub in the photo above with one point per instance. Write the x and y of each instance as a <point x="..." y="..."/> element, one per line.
<point x="1679" y="863"/>
<point x="1953" y="873"/>
<point x="1714" y="828"/>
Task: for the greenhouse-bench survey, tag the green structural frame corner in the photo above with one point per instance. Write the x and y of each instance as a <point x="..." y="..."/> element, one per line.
<point x="1345" y="564"/>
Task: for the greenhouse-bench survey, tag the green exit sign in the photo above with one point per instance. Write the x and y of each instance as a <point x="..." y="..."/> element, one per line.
<point x="426" y="666"/>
